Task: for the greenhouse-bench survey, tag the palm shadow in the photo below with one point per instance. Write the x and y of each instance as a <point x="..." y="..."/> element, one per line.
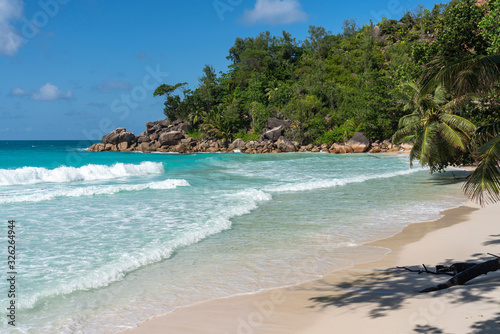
<point x="388" y="290"/>
<point x="493" y="242"/>
<point x="487" y="326"/>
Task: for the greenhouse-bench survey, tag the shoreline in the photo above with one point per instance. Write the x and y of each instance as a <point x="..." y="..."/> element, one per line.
<point x="351" y="300"/>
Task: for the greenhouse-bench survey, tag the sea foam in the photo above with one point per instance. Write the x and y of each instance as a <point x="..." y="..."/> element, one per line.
<point x="219" y="220"/>
<point x="47" y="195"/>
<point x="33" y="175"/>
<point x="319" y="184"/>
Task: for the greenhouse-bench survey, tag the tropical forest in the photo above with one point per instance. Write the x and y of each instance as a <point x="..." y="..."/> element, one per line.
<point x="429" y="79"/>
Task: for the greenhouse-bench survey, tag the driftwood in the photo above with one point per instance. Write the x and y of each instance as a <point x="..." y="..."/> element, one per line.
<point x="461" y="272"/>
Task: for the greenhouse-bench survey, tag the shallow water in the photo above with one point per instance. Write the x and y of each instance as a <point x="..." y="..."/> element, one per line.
<point x="106" y="240"/>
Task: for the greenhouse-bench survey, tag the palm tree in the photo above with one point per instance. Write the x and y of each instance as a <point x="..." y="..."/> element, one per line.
<point x="438" y="136"/>
<point x="466" y="79"/>
<point x="483" y="185"/>
<point x="214" y="124"/>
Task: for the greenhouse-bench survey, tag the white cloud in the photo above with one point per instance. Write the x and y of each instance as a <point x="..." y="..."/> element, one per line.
<point x="10" y="41"/>
<point x="275" y="12"/>
<point x="49" y="92"/>
<point x="19" y="92"/>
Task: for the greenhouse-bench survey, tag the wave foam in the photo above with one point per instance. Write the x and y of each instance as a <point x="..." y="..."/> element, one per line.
<point x="93" y="190"/>
<point x="33" y="175"/>
<point x="244" y="202"/>
<point x="312" y="185"/>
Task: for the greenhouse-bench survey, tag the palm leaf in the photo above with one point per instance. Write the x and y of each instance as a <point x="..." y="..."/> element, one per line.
<point x="458" y="122"/>
<point x="428" y="135"/>
<point x="409" y="130"/>
<point x="463" y="76"/>
<point x="451" y="136"/>
<point x="409" y="119"/>
<point x="487" y="132"/>
<point x="483" y="185"/>
<point x="416" y="149"/>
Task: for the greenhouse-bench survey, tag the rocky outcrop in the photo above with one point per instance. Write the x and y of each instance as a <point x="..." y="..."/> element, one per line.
<point x="359" y="143"/>
<point x="285" y="145"/>
<point x="237" y="144"/>
<point x="171" y="138"/>
<point x="274" y="129"/>
<point x="275" y="122"/>
<point x="166" y="136"/>
<point x="274" y="134"/>
<point x="117" y="136"/>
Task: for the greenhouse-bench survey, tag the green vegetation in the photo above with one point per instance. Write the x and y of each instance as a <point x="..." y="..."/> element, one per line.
<point x="433" y="71"/>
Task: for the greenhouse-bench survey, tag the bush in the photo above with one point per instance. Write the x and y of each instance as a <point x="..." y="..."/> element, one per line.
<point x="247" y="136"/>
<point x="196" y="133"/>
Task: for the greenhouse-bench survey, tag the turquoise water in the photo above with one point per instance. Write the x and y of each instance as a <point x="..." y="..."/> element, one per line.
<point x="107" y="240"/>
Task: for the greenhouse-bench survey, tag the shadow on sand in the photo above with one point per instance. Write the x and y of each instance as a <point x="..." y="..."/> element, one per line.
<point x="389" y="290"/>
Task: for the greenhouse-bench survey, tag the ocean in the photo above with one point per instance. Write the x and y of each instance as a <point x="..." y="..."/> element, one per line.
<point x="107" y="240"/>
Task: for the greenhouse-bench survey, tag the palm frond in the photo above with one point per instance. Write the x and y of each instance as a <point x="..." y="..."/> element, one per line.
<point x="486" y="132"/>
<point x="463" y="76"/>
<point x="482" y="186"/>
<point x="451" y="136"/>
<point x="409" y="119"/>
<point x="416" y="149"/>
<point x="458" y="122"/>
<point x="410" y="130"/>
<point x="459" y="101"/>
<point x="428" y="135"/>
<point x="440" y="95"/>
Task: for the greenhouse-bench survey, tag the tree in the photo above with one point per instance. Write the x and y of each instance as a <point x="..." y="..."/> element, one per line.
<point x="477" y="77"/>
<point x="460" y="33"/>
<point x="172" y="102"/>
<point x="490" y="27"/>
<point x="438" y="136"/>
<point x="484" y="184"/>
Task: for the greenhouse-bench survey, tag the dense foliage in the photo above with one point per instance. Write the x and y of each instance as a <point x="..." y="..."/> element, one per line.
<point x="332" y="85"/>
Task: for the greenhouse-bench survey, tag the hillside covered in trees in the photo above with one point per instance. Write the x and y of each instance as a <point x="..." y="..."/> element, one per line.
<point x="332" y="85"/>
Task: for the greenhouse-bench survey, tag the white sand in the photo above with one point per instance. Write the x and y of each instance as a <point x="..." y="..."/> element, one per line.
<point x="373" y="297"/>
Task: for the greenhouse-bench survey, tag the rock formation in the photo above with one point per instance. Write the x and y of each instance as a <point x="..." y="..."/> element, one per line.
<point x="167" y="136"/>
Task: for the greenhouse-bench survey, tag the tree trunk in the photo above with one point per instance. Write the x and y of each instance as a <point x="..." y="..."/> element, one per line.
<point x="464" y="272"/>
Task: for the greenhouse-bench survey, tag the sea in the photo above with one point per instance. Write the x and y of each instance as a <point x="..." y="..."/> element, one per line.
<point x="104" y="241"/>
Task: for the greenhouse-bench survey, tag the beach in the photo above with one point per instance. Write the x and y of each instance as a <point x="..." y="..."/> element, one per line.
<point x="373" y="297"/>
<point x="111" y="240"/>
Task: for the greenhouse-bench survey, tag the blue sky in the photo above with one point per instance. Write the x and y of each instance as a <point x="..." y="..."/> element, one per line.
<point x="77" y="69"/>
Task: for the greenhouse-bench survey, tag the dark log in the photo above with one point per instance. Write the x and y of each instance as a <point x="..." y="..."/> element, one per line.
<point x="461" y="272"/>
<point x="466" y="275"/>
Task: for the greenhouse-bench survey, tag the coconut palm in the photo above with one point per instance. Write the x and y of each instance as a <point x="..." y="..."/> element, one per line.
<point x="470" y="77"/>
<point x="438" y="136"/>
<point x="214" y="124"/>
<point x="483" y="185"/>
<point x="474" y="78"/>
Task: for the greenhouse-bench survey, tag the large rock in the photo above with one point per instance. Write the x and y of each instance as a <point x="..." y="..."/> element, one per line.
<point x="237" y="144"/>
<point x="359" y="143"/>
<point x="183" y="127"/>
<point x="99" y="147"/>
<point x="143" y="138"/>
<point x="111" y="138"/>
<point x="275" y="122"/>
<point x="117" y="136"/>
<point x="189" y="142"/>
<point x="284" y="145"/>
<point x="181" y="148"/>
<point x="251" y="144"/>
<point x="127" y="137"/>
<point x="164" y="123"/>
<point x="145" y="147"/>
<point x="171" y="138"/>
<point x="274" y="134"/>
<point x="122" y="146"/>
